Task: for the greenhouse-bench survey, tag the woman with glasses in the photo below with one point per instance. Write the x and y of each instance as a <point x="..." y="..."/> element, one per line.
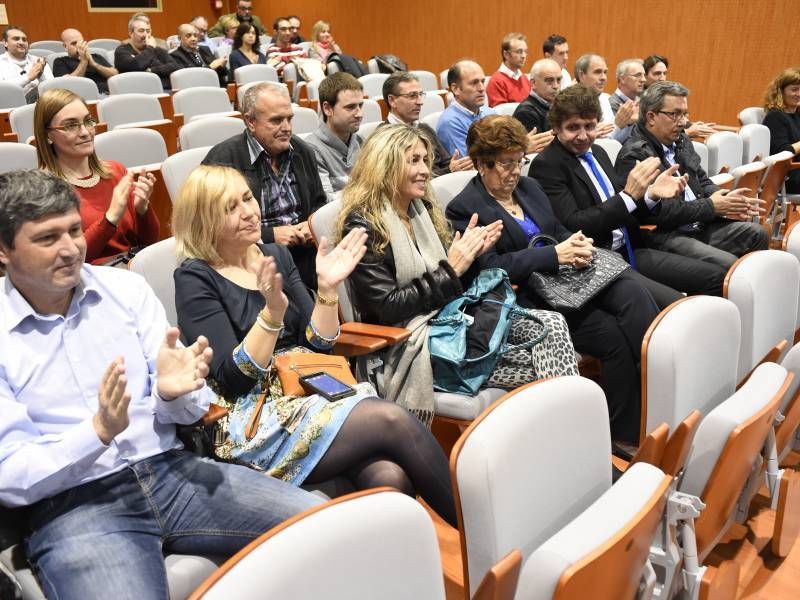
<point x="115" y="203"/>
<point x="414" y="266"/>
<point x="611" y="326"/>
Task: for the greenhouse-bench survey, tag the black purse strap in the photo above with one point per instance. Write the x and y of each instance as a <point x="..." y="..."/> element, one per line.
<point x="548" y="240"/>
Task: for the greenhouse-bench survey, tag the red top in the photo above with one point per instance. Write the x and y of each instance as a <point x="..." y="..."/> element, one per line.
<point x="502" y="88"/>
<point x="103" y="240"/>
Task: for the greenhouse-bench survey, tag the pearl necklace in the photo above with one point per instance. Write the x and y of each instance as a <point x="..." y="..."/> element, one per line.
<point x="82" y="182"/>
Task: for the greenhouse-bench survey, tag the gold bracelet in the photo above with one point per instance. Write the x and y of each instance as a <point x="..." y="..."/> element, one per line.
<point x="271" y="326"/>
<point x="327" y="301"/>
<point x="267" y="320"/>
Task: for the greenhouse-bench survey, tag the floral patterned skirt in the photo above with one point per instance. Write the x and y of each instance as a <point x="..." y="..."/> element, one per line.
<point x="293" y="433"/>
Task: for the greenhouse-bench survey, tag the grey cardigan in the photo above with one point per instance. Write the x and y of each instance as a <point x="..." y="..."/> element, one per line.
<point x="335" y="160"/>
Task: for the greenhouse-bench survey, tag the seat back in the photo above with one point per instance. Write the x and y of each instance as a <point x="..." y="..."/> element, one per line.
<point x="371" y="111"/>
<point x="131" y="147"/>
<point x="508" y="495"/>
<point x="374" y="544"/>
<point x="176" y="168"/>
<point x="683" y="369"/>
<point x="506" y="108"/>
<point x="755" y="142"/>
<point x="21" y="121"/>
<point x="191" y="77"/>
<point x="156" y="263"/>
<point x="105" y="44"/>
<point x="759" y="284"/>
<point x="601" y="554"/>
<point x="427" y="80"/>
<point x="433" y="104"/>
<point x="724" y="152"/>
<point x="322" y="223"/>
<point x="209" y="131"/>
<point x="15" y="156"/>
<point x="448" y="186"/>
<point x="11" y="95"/>
<point x="196" y="101"/>
<point x="135" y="82"/>
<point x="611" y="146"/>
<point x="432" y="120"/>
<point x="51" y="45"/>
<point x="80" y="86"/>
<point x="702" y="152"/>
<point x="751" y="115"/>
<point x="791" y="244"/>
<point x="128" y="108"/>
<point x="726" y="446"/>
<point x="255" y="73"/>
<point x="679" y="444"/>
<point x="373" y="84"/>
<point x="305" y="120"/>
<point x="749" y="176"/>
<point x="790" y="404"/>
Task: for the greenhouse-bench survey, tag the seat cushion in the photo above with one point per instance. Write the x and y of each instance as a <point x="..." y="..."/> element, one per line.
<point x="458" y="406"/>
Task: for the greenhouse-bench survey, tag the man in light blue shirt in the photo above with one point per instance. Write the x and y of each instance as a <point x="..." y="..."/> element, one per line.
<point x="465" y="80"/>
<point x="92" y="383"/>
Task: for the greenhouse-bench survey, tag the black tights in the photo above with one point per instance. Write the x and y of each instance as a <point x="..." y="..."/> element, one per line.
<point x="381" y="443"/>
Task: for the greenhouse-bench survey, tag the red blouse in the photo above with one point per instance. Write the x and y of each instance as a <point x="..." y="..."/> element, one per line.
<point x="103" y="239"/>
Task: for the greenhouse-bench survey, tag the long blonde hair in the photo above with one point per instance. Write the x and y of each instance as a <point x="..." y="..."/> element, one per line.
<point x="198" y="216"/>
<point x="377" y="175"/>
<point x="47" y="107"/>
<point x="773" y="97"/>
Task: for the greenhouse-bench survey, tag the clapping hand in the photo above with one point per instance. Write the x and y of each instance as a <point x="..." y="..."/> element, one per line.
<point x="457" y="163"/>
<point x="334" y="264"/>
<point x="142" y="190"/>
<point x="627" y="114"/>
<point x="667" y="185"/>
<point x="604" y="130"/>
<point x="475" y="241"/>
<point x="539" y="141"/>
<point x="113" y="399"/>
<point x="270" y="283"/>
<point x="181" y="370"/>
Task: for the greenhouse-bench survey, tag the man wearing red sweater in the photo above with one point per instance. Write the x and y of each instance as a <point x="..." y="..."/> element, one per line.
<point x="509" y="83"/>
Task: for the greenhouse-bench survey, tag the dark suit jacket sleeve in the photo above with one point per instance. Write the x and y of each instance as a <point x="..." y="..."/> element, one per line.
<point x="182" y="59"/>
<point x="526" y="115"/>
<point x="595" y="220"/>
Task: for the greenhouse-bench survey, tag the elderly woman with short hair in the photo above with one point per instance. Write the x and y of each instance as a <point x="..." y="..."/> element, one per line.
<point x="611" y="326"/>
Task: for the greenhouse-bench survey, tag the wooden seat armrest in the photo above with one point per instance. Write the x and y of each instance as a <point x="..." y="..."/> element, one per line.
<point x="351" y="344"/>
<point x="9" y="137"/>
<point x="793" y="166"/>
<point x="647" y="227"/>
<point x="214" y="414"/>
<point x="100" y="128"/>
<point x="392" y="335"/>
<point x="178" y="120"/>
<point x="500" y="582"/>
<point x="231" y="89"/>
<point x="727" y="128"/>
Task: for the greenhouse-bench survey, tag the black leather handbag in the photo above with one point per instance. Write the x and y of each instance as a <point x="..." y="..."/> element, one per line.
<point x="570" y="288"/>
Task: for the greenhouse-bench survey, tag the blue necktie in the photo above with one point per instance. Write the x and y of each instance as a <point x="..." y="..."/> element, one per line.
<point x="607" y="193"/>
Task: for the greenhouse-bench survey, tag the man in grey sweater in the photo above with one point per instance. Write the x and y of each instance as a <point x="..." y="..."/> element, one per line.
<point x="336" y="143"/>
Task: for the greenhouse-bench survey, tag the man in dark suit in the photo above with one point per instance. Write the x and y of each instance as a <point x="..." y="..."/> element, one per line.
<point x="191" y="54"/>
<point x="587" y="196"/>
<point x="281" y="171"/>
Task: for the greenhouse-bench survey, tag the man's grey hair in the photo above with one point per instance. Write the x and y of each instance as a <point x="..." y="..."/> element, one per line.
<point x="623" y="66"/>
<point x="392" y="84"/>
<point x="653" y="98"/>
<point x="539" y="65"/>
<point x="29" y="196"/>
<point x="135" y="18"/>
<point x="582" y="65"/>
<point x="252" y="94"/>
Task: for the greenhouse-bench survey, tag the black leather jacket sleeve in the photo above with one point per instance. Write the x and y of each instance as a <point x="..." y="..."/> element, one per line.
<point x="379" y="299"/>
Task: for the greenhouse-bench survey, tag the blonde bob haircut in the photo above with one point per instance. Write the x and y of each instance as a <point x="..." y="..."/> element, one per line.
<point x="378" y="173"/>
<point x="773" y="98"/>
<point x="318" y="28"/>
<point x="199" y="213"/>
<point x="47" y="107"/>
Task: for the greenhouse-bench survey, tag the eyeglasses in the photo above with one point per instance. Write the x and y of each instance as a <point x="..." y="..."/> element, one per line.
<point x="675" y="115"/>
<point x="508" y="165"/>
<point x="71" y="127"/>
<point x="412" y="95"/>
<point x="519" y="52"/>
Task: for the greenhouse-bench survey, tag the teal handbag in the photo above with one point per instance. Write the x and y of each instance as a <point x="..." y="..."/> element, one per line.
<point x="469" y="335"/>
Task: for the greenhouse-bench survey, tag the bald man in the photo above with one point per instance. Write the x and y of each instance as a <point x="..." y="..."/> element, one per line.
<point x="545" y="84"/>
<point x="79" y="62"/>
<point x="191" y="54"/>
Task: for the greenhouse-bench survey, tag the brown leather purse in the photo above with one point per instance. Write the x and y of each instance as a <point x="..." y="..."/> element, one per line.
<point x="292" y="365"/>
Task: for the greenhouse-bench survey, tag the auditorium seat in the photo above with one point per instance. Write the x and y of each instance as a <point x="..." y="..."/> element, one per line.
<point x="192" y="77"/>
<point x="724" y="152"/>
<point x="448" y="186"/>
<point x="611" y="146"/>
<point x="506" y="108"/>
<point x="755" y="142"/>
<point x="427" y="81"/>
<point x="305" y="120"/>
<point x="255" y="73"/>
<point x="209" y="131"/>
<point x="751" y="115"/>
<point x="108" y="44"/>
<point x="532" y="473"/>
<point x="432" y="120"/>
<point x="373" y="544"/>
<point x="129" y="110"/>
<point x="177" y="167"/>
<point x="200" y="102"/>
<point x="134" y="148"/>
<point x="51" y="45"/>
<point x="14" y="155"/>
<point x="21" y="121"/>
<point x="371" y="111"/>
<point x="373" y="84"/>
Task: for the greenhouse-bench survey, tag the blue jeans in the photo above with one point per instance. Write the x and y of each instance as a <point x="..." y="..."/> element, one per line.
<point x="107" y="537"/>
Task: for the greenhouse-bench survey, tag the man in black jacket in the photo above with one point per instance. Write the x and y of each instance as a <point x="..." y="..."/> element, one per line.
<point x="281" y="171"/>
<point x="191" y="54"/>
<point x="587" y="195"/>
<point x="139" y="56"/>
<point x="545" y="84"/>
<point x="703" y="222"/>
